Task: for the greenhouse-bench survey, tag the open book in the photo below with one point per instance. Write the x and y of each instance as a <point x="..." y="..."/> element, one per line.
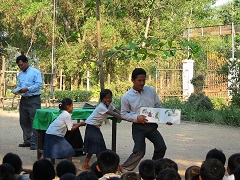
<point x="161" y="115"/>
<point x="15" y="91"/>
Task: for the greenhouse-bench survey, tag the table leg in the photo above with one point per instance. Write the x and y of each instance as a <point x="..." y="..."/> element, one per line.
<point x="114" y="133"/>
<point x="40" y="142"/>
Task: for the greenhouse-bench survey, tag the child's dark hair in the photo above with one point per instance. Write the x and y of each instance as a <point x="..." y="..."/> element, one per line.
<point x="130" y="176"/>
<point x="104" y="92"/>
<point x="64" y="103"/>
<point x="87" y="175"/>
<point x="212" y="169"/>
<point x="22" y="58"/>
<point x="43" y="169"/>
<point x="192" y="173"/>
<point x="218" y="154"/>
<point x="167" y="174"/>
<point x="138" y="71"/>
<point x="164" y="163"/>
<point x="233" y="162"/>
<point x="65" y="166"/>
<point x="94" y="169"/>
<point x="146" y="169"/>
<point x="14" y="160"/>
<point x="108" y="161"/>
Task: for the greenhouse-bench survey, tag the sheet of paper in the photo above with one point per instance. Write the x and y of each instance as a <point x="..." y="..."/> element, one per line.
<point x="161" y="115"/>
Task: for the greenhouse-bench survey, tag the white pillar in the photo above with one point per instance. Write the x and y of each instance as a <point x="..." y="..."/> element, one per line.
<point x="187" y="75"/>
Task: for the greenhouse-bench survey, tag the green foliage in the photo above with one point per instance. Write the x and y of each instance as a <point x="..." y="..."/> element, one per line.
<point x="76" y="95"/>
<point x="232" y="69"/>
<point x="200" y="101"/>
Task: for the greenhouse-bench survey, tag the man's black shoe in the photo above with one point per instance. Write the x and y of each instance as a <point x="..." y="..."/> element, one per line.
<point x="33" y="147"/>
<point x="24" y="145"/>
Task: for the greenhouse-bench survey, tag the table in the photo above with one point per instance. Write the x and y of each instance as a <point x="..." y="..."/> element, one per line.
<point x="44" y="117"/>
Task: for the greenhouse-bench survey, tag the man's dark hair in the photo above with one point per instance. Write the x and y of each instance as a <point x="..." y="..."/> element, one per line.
<point x="14" y="160"/>
<point x="22" y="58"/>
<point x="87" y="175"/>
<point x="218" y="154"/>
<point x="138" y="71"/>
<point x="108" y="161"/>
<point x="212" y="169"/>
<point x="192" y="173"/>
<point x="146" y="169"/>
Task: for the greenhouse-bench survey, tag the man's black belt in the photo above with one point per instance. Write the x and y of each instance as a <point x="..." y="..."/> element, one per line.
<point x="29" y="97"/>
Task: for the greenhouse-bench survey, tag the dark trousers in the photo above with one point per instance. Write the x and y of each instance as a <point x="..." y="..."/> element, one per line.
<point x="27" y="111"/>
<point x="139" y="133"/>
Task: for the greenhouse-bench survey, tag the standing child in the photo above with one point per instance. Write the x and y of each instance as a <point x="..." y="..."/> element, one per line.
<point x="93" y="140"/>
<point x="55" y="145"/>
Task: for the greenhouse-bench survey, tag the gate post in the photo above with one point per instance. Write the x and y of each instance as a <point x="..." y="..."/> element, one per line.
<point x="187" y="75"/>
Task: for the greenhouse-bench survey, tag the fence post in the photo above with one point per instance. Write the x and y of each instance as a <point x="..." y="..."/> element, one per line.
<point x="187" y="75"/>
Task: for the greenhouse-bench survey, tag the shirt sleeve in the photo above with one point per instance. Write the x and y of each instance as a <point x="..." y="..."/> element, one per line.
<point x="126" y="112"/>
<point x="37" y="85"/>
<point x="68" y="121"/>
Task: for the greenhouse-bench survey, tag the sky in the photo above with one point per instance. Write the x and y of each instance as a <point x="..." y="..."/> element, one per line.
<point x="221" y="2"/>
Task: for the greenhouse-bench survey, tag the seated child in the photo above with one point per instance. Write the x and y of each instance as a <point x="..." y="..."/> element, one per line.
<point x="86" y="175"/>
<point x="146" y="169"/>
<point x="233" y="163"/>
<point x="192" y="173"/>
<point x="164" y="163"/>
<point x="218" y="154"/>
<point x="43" y="169"/>
<point x="108" y="164"/>
<point x="65" y="166"/>
<point x="167" y="174"/>
<point x="130" y="176"/>
<point x="212" y="169"/>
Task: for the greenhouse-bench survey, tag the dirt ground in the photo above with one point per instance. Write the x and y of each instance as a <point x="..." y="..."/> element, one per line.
<point x="187" y="143"/>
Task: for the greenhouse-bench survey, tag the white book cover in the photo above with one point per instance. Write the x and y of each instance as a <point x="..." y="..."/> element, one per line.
<point x="161" y="115"/>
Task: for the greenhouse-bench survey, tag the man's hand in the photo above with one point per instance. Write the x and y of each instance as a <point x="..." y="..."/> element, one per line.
<point x="23" y="90"/>
<point x="142" y="119"/>
<point x="169" y="123"/>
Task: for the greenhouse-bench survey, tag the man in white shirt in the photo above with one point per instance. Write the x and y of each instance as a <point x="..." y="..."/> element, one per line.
<point x="141" y="96"/>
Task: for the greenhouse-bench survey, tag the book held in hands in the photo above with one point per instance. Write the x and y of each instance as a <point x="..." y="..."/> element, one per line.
<point x="161" y="115"/>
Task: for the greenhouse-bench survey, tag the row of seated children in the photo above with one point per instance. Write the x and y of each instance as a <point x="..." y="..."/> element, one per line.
<point x="107" y="167"/>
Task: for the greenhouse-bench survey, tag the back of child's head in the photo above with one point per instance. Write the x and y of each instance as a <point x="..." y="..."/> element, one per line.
<point x="6" y="169"/>
<point x="65" y="166"/>
<point x="146" y="169"/>
<point x="64" y="103"/>
<point x="218" y="154"/>
<point x="43" y="169"/>
<point x="236" y="173"/>
<point x="164" y="163"/>
<point x="94" y="170"/>
<point x="108" y="161"/>
<point x="14" y="160"/>
<point x="130" y="176"/>
<point x="167" y="174"/>
<point x="212" y="169"/>
<point x="233" y="162"/>
<point x="68" y="176"/>
<point x="87" y="175"/>
<point x="192" y="173"/>
<point x="104" y="92"/>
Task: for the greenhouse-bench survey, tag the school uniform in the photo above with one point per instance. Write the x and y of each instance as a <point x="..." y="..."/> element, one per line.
<point x="93" y="141"/>
<point x="55" y="145"/>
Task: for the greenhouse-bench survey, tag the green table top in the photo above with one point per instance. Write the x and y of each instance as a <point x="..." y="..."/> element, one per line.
<point x="44" y="117"/>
